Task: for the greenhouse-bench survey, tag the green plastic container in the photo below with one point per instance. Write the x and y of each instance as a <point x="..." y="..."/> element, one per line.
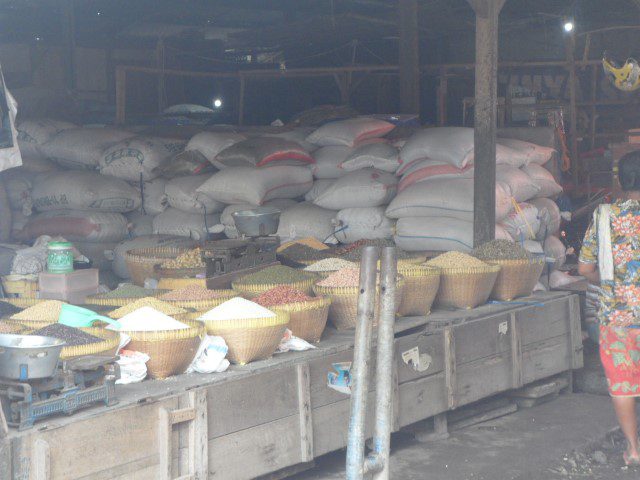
<point x="60" y="257"/>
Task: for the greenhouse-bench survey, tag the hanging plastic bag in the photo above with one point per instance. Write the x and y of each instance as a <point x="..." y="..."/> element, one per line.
<point x="210" y="357"/>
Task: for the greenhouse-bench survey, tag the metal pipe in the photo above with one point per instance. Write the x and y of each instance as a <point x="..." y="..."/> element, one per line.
<point x="378" y="461"/>
<point x="360" y="365"/>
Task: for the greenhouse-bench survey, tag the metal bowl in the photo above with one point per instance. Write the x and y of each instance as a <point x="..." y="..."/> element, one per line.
<point x="26" y="357"/>
<point x="257" y="222"/>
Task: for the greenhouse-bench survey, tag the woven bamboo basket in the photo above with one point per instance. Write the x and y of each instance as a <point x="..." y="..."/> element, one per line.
<point x="34" y="324"/>
<point x="22" y="285"/>
<point x="9" y="326"/>
<point x="205" y="305"/>
<point x="343" y="311"/>
<point x="101" y="301"/>
<point x="23" y="302"/>
<point x="181" y="315"/>
<point x="420" y="289"/>
<point x="307" y="320"/>
<point x="179" y="283"/>
<point x="251" y="291"/>
<point x="517" y="278"/>
<point x="466" y="287"/>
<point x="170" y="351"/>
<point x="250" y="339"/>
<point x="141" y="262"/>
<point x="412" y="261"/>
<point x="108" y="345"/>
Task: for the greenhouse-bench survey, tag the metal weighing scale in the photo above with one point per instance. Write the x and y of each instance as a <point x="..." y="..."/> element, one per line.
<point x="227" y="260"/>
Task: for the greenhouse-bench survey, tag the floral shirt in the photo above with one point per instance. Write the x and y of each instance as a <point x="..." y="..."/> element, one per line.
<point x="620" y="299"/>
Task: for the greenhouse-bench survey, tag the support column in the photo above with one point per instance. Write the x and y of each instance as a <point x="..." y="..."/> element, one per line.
<point x="160" y="65"/>
<point x="570" y="48"/>
<point x="409" y="56"/>
<point x="69" y="29"/>
<point x="485" y="118"/>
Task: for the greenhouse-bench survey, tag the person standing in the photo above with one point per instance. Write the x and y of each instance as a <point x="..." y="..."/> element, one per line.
<point x="610" y="258"/>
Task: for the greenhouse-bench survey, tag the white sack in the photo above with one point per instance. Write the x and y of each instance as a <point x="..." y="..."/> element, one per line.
<point x="306" y="220"/>
<point x="256" y="185"/>
<point x="523" y="224"/>
<point x="10" y="156"/>
<point x="210" y="144"/>
<point x="154" y="197"/>
<point x="182" y="224"/>
<point x="450" y="198"/>
<point x="139" y="224"/>
<point x="427" y="169"/>
<point x="262" y="152"/>
<point x="554" y="248"/>
<point x="148" y="241"/>
<point x="328" y="161"/>
<point x="34" y="133"/>
<point x="349" y="133"/>
<point x="355" y="224"/>
<point x="298" y="135"/>
<point x="81" y="190"/>
<point x="82" y="148"/>
<point x="181" y="194"/>
<point x="522" y="188"/>
<point x="451" y="145"/>
<point x="78" y="226"/>
<point x="552" y="219"/>
<point x="363" y="188"/>
<point x="18" y="184"/>
<point x="543" y="178"/>
<point x="535" y="153"/>
<point x="415" y="234"/>
<point x="502" y="234"/>
<point x="380" y="156"/>
<point x="319" y="187"/>
<point x="131" y="158"/>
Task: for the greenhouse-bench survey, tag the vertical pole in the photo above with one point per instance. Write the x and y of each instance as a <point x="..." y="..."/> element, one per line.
<point x="595" y="70"/>
<point x="442" y="98"/>
<point x="69" y="29"/>
<point x="241" y="100"/>
<point x="384" y="365"/>
<point x="360" y="366"/>
<point x="409" y="56"/>
<point x="121" y="94"/>
<point x="485" y="115"/>
<point x="160" y="65"/>
<point x="570" y="48"/>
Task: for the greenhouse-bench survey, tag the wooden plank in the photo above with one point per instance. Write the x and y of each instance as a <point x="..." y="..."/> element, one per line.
<point x="575" y="337"/>
<point x="477" y="340"/>
<point x="450" y="367"/>
<point x="540" y="323"/>
<point x="483" y="378"/>
<point x="41" y="460"/>
<point x="165" y="442"/>
<point x="255" y="451"/>
<point x="242" y="87"/>
<point x="145" y="468"/>
<point x="235" y="406"/>
<point x="427" y="343"/>
<point x="516" y="352"/>
<point x="182" y="415"/>
<point x="304" y="411"/>
<point x="198" y="436"/>
<point x="121" y="94"/>
<point x="422" y="398"/>
<point x="545" y="358"/>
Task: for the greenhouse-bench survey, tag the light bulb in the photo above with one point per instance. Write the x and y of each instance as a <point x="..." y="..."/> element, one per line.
<point x="217" y="103"/>
<point x="568" y="26"/>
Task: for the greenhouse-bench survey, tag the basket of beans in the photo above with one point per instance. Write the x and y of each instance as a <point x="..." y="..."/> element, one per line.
<point x="81" y="341"/>
<point x="197" y="297"/>
<point x="465" y="281"/>
<point x="142" y="262"/>
<point x="307" y="315"/>
<point x="161" y="306"/>
<point x="39" y="315"/>
<point x="121" y="296"/>
<point x="325" y="267"/>
<point x="420" y="288"/>
<point x="186" y="265"/>
<point x="254" y="284"/>
<point x="519" y="269"/>
<point x="342" y="287"/>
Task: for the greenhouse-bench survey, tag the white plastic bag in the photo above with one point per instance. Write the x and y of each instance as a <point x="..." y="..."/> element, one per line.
<point x="291" y="343"/>
<point x="133" y="367"/>
<point x="210" y="357"/>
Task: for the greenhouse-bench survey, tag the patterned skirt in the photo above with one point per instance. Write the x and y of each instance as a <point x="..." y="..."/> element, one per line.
<point x="620" y="355"/>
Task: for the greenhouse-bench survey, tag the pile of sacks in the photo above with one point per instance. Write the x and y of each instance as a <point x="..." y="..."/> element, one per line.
<point x="107" y="189"/>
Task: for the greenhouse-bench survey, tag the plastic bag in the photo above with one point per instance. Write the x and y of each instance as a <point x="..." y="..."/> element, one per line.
<point x="133" y="367"/>
<point x="292" y="343"/>
<point x="210" y="357"/>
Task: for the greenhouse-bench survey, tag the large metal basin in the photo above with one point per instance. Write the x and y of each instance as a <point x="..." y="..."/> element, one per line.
<point x="257" y="222"/>
<point x="26" y="357"/>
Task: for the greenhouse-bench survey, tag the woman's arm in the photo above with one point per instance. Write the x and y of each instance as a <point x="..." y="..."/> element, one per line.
<point x="590" y="272"/>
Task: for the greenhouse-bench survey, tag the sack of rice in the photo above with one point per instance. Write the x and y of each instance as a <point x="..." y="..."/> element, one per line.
<point x="181" y="194"/>
<point x="319" y="187"/>
<point x="416" y="234"/>
<point x="328" y="161"/>
<point x="306" y="220"/>
<point x="522" y="188"/>
<point x="350" y="133"/>
<point x="82" y="148"/>
<point x="543" y="179"/>
<point x="522" y="223"/>
<point x="363" y="188"/>
<point x="147" y="241"/>
<point x="535" y="153"/>
<point x="81" y="190"/>
<point x="262" y="152"/>
<point x="453" y="145"/>
<point x="139" y="223"/>
<point x="209" y="144"/>
<point x="450" y="198"/>
<point x="18" y="184"/>
<point x="256" y="185"/>
<point x="34" y="133"/>
<point x="182" y="224"/>
<point x="298" y="135"/>
<point x="549" y="214"/>
<point x="77" y="226"/>
<point x="380" y="156"/>
<point x="353" y="224"/>
<point x="427" y="169"/>
<point x="154" y="196"/>
<point x="138" y="157"/>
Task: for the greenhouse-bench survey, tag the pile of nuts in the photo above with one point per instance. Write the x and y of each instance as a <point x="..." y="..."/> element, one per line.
<point x="189" y="259"/>
<point x="346" y="277"/>
<point x="192" y="292"/>
<point x="281" y="295"/>
<point x="330" y="265"/>
<point x="456" y="260"/>
<point x="501" y="250"/>
<point x="46" y="311"/>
